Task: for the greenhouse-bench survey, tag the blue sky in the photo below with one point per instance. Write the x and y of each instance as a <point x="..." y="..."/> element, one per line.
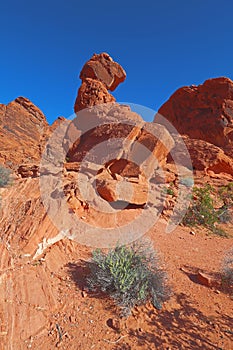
<point x="162" y="45"/>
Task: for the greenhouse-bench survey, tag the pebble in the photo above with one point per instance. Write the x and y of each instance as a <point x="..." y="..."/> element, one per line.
<point x="113" y="323"/>
<point x="72" y="319"/>
<point x="84" y="294"/>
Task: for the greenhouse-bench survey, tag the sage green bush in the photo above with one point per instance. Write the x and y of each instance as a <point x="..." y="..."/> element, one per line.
<point x="202" y="210"/>
<point x="225" y="193"/>
<point x="130" y="275"/>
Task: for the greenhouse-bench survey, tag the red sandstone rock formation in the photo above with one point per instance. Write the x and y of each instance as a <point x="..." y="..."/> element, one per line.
<point x="130" y="149"/>
<point x="208" y="157"/>
<point x="41" y="269"/>
<point x="90" y="93"/>
<point x="102" y="68"/>
<point x="203" y="112"/>
<point x="98" y="75"/>
<point x="22" y="130"/>
<point x="127" y="149"/>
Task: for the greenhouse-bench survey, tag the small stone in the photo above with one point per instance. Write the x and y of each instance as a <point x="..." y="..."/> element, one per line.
<point x="205" y="279"/>
<point x="72" y="319"/>
<point x="84" y="294"/>
<point x="113" y="323"/>
<point x="192" y="233"/>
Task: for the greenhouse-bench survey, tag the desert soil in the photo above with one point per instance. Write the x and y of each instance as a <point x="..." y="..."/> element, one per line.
<point x="44" y="305"/>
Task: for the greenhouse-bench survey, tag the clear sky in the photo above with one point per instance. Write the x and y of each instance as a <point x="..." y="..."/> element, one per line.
<point x="162" y="45"/>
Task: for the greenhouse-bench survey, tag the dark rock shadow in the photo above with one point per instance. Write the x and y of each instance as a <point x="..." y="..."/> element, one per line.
<point x="122" y="205"/>
<point x="184" y="328"/>
<point x="79" y="273"/>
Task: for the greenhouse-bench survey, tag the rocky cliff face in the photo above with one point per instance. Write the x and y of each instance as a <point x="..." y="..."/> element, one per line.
<point x="22" y="130"/>
<point x="203" y="112"/>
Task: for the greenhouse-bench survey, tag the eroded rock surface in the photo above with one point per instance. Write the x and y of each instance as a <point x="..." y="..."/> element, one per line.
<point x="101" y="67"/>
<point x="98" y="75"/>
<point x="90" y="93"/>
<point x="22" y="130"/>
<point x="203" y="112"/>
<point x="123" y="144"/>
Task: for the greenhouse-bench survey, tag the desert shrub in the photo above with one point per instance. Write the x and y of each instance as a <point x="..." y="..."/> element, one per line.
<point x="225" y="194"/>
<point x="227" y="270"/>
<point x="202" y="209"/>
<point x="130" y="275"/>
<point x="4" y="176"/>
<point x="169" y="190"/>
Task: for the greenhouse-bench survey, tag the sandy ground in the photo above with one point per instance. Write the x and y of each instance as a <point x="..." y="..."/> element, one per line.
<point x="44" y="306"/>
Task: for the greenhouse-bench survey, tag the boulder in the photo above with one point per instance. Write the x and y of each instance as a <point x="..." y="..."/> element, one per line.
<point x="92" y="92"/>
<point x="101" y="67"/>
<point x="98" y="75"/>
<point x="208" y="157"/>
<point x="22" y="130"/>
<point x="110" y="132"/>
<point x="114" y="188"/>
<point x="127" y="149"/>
<point x="203" y="112"/>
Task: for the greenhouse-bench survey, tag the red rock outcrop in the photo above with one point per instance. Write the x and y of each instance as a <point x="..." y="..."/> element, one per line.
<point x="22" y="130"/>
<point x="203" y="112"/>
<point x="113" y="187"/>
<point x="98" y="75"/>
<point x="102" y="68"/>
<point x="127" y="150"/>
<point x="208" y="157"/>
<point x="90" y="93"/>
